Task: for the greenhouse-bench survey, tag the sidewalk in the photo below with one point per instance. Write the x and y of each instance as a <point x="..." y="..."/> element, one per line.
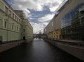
<point x="6" y="46"/>
<point x="72" y="41"/>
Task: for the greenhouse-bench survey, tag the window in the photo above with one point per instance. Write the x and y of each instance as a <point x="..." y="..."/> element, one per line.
<point x="5" y="23"/>
<point x="19" y="20"/>
<point x="10" y="12"/>
<point x="82" y="21"/>
<point x="12" y="26"/>
<point x="17" y="28"/>
<point x="13" y="15"/>
<point x="16" y="18"/>
<point x="0" y="19"/>
<point x="0" y="22"/>
<point x="52" y="23"/>
<point x="6" y="9"/>
<point x="1" y="39"/>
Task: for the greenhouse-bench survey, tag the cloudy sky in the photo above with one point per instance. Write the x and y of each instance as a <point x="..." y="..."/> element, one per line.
<point x="39" y="12"/>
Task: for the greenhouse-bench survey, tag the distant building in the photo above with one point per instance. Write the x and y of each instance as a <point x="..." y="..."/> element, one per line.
<point x="27" y="30"/>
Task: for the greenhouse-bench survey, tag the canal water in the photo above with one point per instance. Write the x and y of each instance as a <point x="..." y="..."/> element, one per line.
<point x="36" y="51"/>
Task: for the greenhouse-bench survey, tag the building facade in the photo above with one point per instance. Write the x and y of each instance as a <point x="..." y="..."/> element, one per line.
<point x="11" y="26"/>
<point x="69" y="22"/>
<point x="73" y="22"/>
<point x="27" y="29"/>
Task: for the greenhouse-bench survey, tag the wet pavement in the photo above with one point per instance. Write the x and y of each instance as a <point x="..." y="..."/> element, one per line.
<point x="37" y="51"/>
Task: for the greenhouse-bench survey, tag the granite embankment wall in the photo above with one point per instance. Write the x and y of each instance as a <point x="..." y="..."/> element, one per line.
<point x="74" y="48"/>
<point x="9" y="45"/>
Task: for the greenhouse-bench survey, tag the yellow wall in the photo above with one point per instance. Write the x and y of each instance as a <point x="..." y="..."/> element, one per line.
<point x="55" y="35"/>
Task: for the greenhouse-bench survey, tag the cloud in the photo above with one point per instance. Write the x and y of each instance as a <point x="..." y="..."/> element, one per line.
<point x="46" y="18"/>
<point x="22" y="4"/>
<point x="39" y="12"/>
<point x="43" y="21"/>
<point x="37" y="27"/>
<point x="35" y="4"/>
<point x="37" y="16"/>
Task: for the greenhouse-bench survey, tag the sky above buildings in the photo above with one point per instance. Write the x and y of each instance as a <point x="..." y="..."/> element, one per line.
<point x="39" y="12"/>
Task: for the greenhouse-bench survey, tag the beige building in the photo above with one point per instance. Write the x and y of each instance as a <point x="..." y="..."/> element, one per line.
<point x="11" y="24"/>
<point x="53" y="29"/>
<point x="27" y="29"/>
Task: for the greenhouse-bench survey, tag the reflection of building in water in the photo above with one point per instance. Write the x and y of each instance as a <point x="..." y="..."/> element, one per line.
<point x="68" y="23"/>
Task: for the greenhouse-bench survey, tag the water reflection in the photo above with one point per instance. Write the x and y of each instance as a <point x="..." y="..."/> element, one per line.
<point x="37" y="51"/>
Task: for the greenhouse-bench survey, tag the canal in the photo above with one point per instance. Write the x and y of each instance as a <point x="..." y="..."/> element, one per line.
<point x="37" y="51"/>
